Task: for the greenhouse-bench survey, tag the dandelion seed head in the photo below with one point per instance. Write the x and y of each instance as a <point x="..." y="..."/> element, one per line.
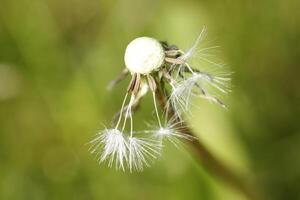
<point x="166" y="71"/>
<point x="144" y="55"/>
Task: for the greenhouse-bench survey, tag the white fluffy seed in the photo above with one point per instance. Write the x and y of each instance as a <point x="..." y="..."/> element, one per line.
<point x="144" y="55"/>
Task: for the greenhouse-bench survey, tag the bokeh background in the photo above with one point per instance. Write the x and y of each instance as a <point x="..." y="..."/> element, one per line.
<point x="57" y="56"/>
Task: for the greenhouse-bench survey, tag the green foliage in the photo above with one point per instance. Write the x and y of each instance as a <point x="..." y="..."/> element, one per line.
<point x="56" y="57"/>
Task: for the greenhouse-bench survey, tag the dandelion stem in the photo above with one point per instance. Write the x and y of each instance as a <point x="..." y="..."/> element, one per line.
<point x="207" y="159"/>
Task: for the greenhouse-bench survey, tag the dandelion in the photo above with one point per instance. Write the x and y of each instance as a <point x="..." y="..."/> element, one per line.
<point x="158" y="68"/>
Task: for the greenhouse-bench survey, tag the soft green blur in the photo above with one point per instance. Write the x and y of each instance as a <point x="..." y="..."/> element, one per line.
<point x="57" y="56"/>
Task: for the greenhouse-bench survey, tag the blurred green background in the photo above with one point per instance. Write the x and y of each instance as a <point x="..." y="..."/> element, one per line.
<point x="57" y="56"/>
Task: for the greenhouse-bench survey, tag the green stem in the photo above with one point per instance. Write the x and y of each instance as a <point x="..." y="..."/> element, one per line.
<point x="208" y="160"/>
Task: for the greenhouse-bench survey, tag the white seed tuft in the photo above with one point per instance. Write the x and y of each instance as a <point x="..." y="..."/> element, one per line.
<point x="190" y="52"/>
<point x="111" y="144"/>
<point x="141" y="152"/>
<point x="172" y="132"/>
<point x="179" y="98"/>
<point x="199" y="84"/>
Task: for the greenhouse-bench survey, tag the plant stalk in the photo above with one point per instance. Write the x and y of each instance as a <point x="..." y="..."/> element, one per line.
<point x="207" y="159"/>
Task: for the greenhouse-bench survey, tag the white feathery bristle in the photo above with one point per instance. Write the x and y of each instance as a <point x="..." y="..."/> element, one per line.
<point x="111" y="144"/>
<point x="198" y="84"/>
<point x="190" y="52"/>
<point x="141" y="152"/>
<point x="179" y="98"/>
<point x="202" y="79"/>
<point x="171" y="131"/>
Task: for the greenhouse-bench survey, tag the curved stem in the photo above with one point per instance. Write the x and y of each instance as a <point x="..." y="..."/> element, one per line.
<point x="208" y="160"/>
